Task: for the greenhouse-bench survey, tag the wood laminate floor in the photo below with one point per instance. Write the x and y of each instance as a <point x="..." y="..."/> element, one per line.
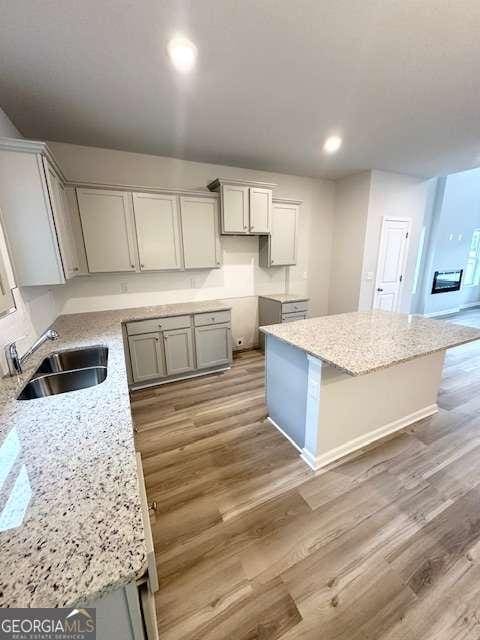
<point x="252" y="544"/>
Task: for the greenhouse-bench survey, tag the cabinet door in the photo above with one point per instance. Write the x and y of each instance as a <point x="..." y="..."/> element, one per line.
<point x="260" y="210"/>
<point x="158" y="234"/>
<point x="178" y="351"/>
<point x="62" y="222"/>
<point x="201" y="243"/>
<point x="283" y="237"/>
<point x="107" y="225"/>
<point x="147" y="357"/>
<point x="235" y="208"/>
<point x="213" y="345"/>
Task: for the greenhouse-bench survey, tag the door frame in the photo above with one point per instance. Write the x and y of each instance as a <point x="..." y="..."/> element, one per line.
<point x="405" y="255"/>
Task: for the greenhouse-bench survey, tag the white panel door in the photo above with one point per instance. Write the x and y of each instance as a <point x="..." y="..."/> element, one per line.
<point x="107" y="224"/>
<point x="283" y="240"/>
<point x="201" y="243"/>
<point x="260" y="210"/>
<point x="392" y="258"/>
<point x="158" y="232"/>
<point x="235" y="206"/>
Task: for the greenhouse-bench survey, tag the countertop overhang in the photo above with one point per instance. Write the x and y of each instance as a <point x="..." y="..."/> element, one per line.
<point x="70" y="514"/>
<point x="362" y="342"/>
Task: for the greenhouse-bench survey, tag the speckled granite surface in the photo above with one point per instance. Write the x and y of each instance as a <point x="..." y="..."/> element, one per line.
<point x="70" y="518"/>
<point x="362" y="342"/>
<point x="285" y="297"/>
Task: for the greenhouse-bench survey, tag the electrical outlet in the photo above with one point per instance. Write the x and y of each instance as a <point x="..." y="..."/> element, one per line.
<point x="123" y="287"/>
<point x="240" y="342"/>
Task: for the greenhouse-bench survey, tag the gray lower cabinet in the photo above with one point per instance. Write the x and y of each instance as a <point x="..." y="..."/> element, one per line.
<point x="179" y="356"/>
<point x="278" y="309"/>
<point x="167" y="348"/>
<point x="147" y="356"/>
<point x="213" y="345"/>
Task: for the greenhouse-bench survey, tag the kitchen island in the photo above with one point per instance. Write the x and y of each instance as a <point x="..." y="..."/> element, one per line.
<point x="334" y="384"/>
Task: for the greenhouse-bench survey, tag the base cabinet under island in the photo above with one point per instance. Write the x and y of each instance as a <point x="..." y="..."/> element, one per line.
<point x="169" y="348"/>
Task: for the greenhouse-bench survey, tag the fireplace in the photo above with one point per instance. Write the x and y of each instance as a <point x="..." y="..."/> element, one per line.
<point x="444" y="281"/>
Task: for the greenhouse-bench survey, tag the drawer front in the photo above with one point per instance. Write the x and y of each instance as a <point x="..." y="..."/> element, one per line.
<point x="294" y="307"/>
<point x="216" y="317"/>
<point x="158" y="324"/>
<point x="291" y="317"/>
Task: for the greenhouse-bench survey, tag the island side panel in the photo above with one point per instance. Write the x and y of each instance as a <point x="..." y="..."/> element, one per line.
<point x="354" y="411"/>
<point x="286" y="388"/>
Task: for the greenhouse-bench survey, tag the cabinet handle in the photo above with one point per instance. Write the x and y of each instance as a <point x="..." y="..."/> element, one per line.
<point x="159" y="326"/>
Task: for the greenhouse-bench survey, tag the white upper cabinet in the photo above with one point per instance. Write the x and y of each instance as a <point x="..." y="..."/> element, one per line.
<point x="260" y="210"/>
<point x="235" y="209"/>
<point x="245" y="206"/>
<point x="63" y="222"/>
<point x="158" y="231"/>
<point x="108" y="230"/>
<point x="201" y="242"/>
<point x="34" y="235"/>
<point x="280" y="247"/>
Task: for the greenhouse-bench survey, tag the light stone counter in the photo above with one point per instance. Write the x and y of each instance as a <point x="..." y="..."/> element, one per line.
<point x="365" y="341"/>
<point x="70" y="518"/>
<point x="283" y="298"/>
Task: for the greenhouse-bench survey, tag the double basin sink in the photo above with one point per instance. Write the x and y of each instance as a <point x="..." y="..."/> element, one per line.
<point x="66" y="371"/>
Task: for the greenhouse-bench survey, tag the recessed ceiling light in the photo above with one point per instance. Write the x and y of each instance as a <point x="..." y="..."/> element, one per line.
<point x="183" y="53"/>
<point x="332" y="144"/>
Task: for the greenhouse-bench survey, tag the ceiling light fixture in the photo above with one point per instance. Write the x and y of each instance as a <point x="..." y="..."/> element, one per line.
<point x="182" y="53"/>
<point x="332" y="144"/>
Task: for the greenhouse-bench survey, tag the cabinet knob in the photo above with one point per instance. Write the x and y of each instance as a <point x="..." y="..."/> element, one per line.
<point x="76" y="269"/>
<point x="379" y="289"/>
<point x="133" y="266"/>
<point x="245" y="226"/>
<point x="271" y="261"/>
<point x="142" y="266"/>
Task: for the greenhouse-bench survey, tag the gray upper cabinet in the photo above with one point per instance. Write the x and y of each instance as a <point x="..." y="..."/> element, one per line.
<point x="108" y="230"/>
<point x="147" y="356"/>
<point x="201" y="241"/>
<point x="34" y="218"/>
<point x="280" y="247"/>
<point x="158" y="231"/>
<point x="235" y="209"/>
<point x="246" y="207"/>
<point x="63" y="222"/>
<point x="260" y="210"/>
<point x="213" y="345"/>
<point x="179" y="355"/>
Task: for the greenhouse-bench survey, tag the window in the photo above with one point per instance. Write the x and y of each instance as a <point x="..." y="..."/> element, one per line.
<point x="472" y="269"/>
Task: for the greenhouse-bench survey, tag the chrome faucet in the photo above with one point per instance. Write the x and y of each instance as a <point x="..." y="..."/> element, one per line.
<point x="15" y="362"/>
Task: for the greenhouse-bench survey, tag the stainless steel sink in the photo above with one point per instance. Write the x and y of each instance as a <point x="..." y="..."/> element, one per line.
<point x="71" y="359"/>
<point x="55" y="383"/>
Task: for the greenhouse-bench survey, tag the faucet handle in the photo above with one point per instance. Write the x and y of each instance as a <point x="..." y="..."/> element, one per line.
<point x="13" y="361"/>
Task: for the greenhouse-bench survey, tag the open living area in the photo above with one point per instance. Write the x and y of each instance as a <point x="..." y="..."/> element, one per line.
<point x="239" y="320"/>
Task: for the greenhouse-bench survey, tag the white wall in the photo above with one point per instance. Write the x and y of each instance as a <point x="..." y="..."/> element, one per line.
<point x="240" y="279"/>
<point x="400" y="196"/>
<point x="352" y="196"/>
<point x="456" y="215"/>
<point x="37" y="307"/>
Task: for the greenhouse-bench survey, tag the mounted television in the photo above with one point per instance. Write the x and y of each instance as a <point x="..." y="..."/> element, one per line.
<point x="444" y="281"/>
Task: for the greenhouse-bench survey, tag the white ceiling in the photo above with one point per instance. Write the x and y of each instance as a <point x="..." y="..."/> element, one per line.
<point x="399" y="79"/>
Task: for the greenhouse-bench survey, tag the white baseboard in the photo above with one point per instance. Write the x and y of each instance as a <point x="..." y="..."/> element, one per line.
<point x="445" y="312"/>
<point x="470" y="305"/>
<point x="285" y="435"/>
<point x="362" y="441"/>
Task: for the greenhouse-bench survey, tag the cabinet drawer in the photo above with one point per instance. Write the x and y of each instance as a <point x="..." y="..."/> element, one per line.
<point x="158" y="324"/>
<point x="291" y="317"/>
<point x="216" y="317"/>
<point x="295" y="307"/>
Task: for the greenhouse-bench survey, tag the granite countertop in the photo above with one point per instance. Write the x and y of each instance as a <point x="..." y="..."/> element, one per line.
<point x="364" y="341"/>
<point x="70" y="516"/>
<point x="285" y="297"/>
